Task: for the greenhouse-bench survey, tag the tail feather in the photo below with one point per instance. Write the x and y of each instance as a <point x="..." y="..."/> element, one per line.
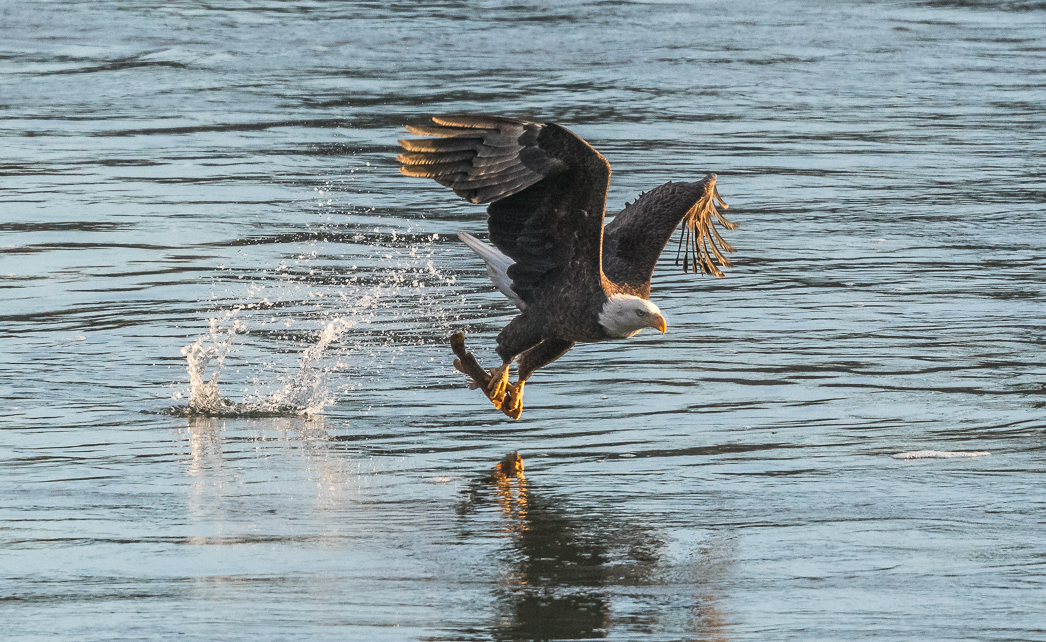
<point x="497" y="266"/>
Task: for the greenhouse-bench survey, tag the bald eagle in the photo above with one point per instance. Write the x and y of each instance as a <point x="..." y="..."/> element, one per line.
<point x="572" y="278"/>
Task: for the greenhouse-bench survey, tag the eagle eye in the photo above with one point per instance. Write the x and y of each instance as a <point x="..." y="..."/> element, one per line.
<point x="640" y="313"/>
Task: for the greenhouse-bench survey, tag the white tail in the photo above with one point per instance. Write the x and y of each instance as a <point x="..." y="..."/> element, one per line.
<point x="497" y="266"/>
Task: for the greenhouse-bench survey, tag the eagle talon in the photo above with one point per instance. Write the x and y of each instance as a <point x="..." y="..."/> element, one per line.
<point x="497" y="385"/>
<point x="493" y="383"/>
<point x="513" y="404"/>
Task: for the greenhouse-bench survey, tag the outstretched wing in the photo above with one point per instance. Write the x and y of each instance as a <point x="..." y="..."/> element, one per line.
<point x="634" y="240"/>
<point x="481" y="158"/>
<point x="545" y="185"/>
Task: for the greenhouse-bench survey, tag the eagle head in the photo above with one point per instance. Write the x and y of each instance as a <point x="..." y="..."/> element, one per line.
<point x="624" y="315"/>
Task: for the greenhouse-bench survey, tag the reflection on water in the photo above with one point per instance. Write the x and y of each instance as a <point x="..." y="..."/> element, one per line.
<point x="710" y="562"/>
<point x="220" y="479"/>
<point x="555" y="586"/>
<point x="205" y="442"/>
<point x="573" y="574"/>
<point x="553" y="582"/>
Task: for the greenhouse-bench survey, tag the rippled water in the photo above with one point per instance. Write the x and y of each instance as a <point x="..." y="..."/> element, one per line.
<point x="223" y="175"/>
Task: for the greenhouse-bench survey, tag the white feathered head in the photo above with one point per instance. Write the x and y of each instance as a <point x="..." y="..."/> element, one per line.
<point x="624" y="315"/>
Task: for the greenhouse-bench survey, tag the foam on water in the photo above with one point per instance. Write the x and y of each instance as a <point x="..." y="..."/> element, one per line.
<point x="938" y="454"/>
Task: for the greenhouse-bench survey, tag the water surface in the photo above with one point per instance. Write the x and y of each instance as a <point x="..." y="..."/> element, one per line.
<point x="169" y="164"/>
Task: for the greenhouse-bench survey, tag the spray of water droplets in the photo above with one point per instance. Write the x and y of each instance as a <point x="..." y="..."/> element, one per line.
<point x="351" y="313"/>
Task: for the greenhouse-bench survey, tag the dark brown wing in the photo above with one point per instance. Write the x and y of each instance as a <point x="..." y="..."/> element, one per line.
<point x="546" y="188"/>
<point x="481" y="158"/>
<point x="634" y="240"/>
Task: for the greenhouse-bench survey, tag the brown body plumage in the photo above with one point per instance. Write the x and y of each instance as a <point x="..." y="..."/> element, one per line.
<point x="546" y="190"/>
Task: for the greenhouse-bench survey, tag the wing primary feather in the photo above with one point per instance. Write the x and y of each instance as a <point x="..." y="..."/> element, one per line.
<point x="498" y="178"/>
<point x="686" y="248"/>
<point x="493" y="193"/>
<point x="702" y="238"/>
<point x="679" y="249"/>
<point x="722" y="242"/>
<point x="708" y="258"/>
<point x="433" y="171"/>
<point x="499" y="139"/>
<point x="431" y="158"/>
<point x="475" y="121"/>
<point x="430" y="130"/>
<point x="498" y="152"/>
<point x="489" y="164"/>
<point x="440" y="144"/>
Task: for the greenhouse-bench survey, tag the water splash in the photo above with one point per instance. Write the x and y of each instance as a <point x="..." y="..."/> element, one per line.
<point x="306" y="395"/>
<point x="382" y="283"/>
<point x="204" y="396"/>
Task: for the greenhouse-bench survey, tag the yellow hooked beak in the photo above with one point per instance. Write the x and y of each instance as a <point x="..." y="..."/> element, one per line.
<point x="658" y="322"/>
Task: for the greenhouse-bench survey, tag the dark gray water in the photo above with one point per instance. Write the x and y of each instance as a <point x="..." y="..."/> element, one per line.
<point x="168" y="164"/>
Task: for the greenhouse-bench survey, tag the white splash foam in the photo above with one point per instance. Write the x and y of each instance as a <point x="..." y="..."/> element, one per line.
<point x="307" y="394"/>
<point x="938" y="454"/>
<point x="204" y="397"/>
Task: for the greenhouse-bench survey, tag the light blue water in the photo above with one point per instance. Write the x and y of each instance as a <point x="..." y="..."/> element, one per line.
<point x="168" y="164"/>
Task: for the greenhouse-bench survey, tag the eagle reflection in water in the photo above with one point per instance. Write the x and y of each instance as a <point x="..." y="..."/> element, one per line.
<point x="564" y="568"/>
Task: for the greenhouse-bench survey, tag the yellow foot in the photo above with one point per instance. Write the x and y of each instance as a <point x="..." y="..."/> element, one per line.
<point x="497" y="385"/>
<point x="493" y="384"/>
<point x="513" y="404"/>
